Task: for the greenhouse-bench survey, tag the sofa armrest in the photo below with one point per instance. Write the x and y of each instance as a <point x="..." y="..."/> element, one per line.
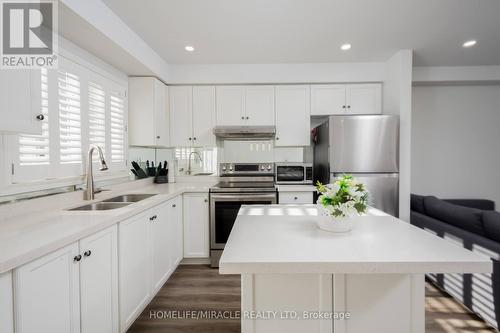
<point x="482" y="204"/>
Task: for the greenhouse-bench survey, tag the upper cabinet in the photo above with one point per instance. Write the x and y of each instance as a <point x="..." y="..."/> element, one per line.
<point x="343" y="99"/>
<point x="192" y="116"/>
<point x="20" y="101"/>
<point x="245" y="105"/>
<point x="148" y="112"/>
<point x="293" y="121"/>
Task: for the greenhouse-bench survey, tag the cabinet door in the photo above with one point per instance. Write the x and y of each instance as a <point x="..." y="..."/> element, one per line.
<point x="177" y="232"/>
<point x="328" y="99"/>
<point x="230" y="105"/>
<point x="161" y="114"/>
<point x="203" y="115"/>
<point x="141" y="115"/>
<point x="134" y="268"/>
<point x="196" y="241"/>
<point x="364" y="98"/>
<point x="259" y="106"/>
<point x="159" y="226"/>
<point x="293" y="121"/>
<point x="6" y="303"/>
<point x="99" y="282"/>
<point x="20" y="101"/>
<point x="47" y="297"/>
<point x="296" y="197"/>
<point x="181" y="109"/>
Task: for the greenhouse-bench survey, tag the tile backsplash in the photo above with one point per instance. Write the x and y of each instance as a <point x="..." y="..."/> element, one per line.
<point x="227" y="151"/>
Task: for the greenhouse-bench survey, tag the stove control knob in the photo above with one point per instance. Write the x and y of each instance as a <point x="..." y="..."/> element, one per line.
<point x="262" y="167"/>
<point x="269" y="167"/>
<point x="230" y="168"/>
<point x="224" y="168"/>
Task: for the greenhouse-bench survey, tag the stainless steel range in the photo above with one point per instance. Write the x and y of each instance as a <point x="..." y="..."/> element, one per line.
<point x="241" y="184"/>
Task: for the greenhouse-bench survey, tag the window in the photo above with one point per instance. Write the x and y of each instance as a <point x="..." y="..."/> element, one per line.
<point x="81" y="107"/>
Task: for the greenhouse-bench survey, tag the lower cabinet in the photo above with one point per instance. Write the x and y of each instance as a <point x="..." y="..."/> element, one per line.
<point x="149" y="248"/>
<point x="296" y="197"/>
<point x="47" y="290"/>
<point x="196" y="225"/>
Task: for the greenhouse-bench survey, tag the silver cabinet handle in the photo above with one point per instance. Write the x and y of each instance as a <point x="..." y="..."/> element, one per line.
<point x="87" y="253"/>
<point x="77" y="258"/>
<point x="40" y="117"/>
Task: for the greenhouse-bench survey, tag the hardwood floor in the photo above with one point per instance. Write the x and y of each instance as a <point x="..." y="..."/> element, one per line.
<point x="200" y="288"/>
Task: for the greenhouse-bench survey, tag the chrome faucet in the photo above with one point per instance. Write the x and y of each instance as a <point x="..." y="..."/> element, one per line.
<point x="189" y="171"/>
<point x="88" y="194"/>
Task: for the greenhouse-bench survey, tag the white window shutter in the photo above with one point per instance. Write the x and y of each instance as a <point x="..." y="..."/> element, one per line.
<point x="70" y="127"/>
<point x="117" y="128"/>
<point x="97" y="116"/>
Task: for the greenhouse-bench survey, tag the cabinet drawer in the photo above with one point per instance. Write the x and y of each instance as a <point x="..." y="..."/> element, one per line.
<point x="296" y="197"/>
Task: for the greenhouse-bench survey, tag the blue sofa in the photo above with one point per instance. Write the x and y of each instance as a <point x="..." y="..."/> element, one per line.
<point x="474" y="225"/>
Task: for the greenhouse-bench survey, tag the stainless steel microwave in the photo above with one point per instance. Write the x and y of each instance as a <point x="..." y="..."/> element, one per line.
<point x="294" y="173"/>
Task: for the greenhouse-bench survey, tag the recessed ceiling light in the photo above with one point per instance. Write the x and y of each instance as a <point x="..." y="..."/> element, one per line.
<point x="469" y="43"/>
<point x="345" y="47"/>
<point x="189" y="48"/>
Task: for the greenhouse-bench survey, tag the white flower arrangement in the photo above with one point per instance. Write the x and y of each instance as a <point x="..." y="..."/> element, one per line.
<point x="344" y="198"/>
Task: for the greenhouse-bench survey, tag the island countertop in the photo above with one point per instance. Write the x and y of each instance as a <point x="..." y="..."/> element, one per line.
<point x="285" y="239"/>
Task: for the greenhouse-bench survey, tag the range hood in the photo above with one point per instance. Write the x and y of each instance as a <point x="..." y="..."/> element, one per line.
<point x="245" y="132"/>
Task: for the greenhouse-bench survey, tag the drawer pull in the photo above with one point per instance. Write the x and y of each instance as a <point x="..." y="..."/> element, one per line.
<point x="87" y="253"/>
<point x="77" y="258"/>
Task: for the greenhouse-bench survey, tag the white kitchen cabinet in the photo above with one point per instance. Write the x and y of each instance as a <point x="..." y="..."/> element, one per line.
<point x="196" y="222"/>
<point x="99" y="282"/>
<point x="192" y="116"/>
<point x="364" y="98"/>
<point x="176" y="231"/>
<point x="343" y="99"/>
<point x="134" y="267"/>
<point x="230" y="105"/>
<point x="259" y="105"/>
<point x="20" y="101"/>
<point x="149" y="248"/>
<point x="148" y="112"/>
<point x="181" y="116"/>
<point x="296" y="197"/>
<point x="204" y="116"/>
<point x="327" y="99"/>
<point x="245" y="105"/>
<point x="47" y="295"/>
<point x="6" y="303"/>
<point x="160" y="223"/>
<point x="293" y="121"/>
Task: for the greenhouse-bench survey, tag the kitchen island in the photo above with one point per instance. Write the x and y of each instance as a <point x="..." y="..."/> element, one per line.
<point x="298" y="278"/>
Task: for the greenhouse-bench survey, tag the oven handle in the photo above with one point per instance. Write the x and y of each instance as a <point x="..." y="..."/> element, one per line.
<point x="244" y="196"/>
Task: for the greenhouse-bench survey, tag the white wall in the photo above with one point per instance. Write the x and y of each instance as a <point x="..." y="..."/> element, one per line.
<point x="397" y="101"/>
<point x="276" y="73"/>
<point x="456" y="142"/>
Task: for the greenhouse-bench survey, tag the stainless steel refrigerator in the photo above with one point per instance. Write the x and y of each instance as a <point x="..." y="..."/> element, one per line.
<point x="365" y="146"/>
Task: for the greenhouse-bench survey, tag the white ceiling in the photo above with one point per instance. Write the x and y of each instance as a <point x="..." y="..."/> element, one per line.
<point x="310" y="31"/>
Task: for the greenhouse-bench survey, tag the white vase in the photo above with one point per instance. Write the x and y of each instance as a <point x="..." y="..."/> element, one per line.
<point x="330" y="223"/>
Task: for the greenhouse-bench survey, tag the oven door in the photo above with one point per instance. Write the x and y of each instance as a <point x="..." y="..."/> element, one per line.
<point x="224" y="208"/>
<point x="290" y="174"/>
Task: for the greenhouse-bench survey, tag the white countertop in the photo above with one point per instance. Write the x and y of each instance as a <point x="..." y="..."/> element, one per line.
<point x="285" y="239"/>
<point x="29" y="236"/>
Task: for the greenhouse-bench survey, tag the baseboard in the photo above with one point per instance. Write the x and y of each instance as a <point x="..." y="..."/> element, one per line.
<point x="195" y="261"/>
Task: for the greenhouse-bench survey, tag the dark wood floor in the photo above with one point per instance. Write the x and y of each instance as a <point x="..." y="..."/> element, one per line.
<point x="198" y="287"/>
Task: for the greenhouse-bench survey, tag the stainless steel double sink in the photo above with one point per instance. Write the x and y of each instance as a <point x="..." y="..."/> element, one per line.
<point x="113" y="203"/>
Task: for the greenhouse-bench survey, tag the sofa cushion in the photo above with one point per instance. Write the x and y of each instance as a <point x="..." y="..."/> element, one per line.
<point x="462" y="217"/>
<point x="491" y="223"/>
<point x="417" y="203"/>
